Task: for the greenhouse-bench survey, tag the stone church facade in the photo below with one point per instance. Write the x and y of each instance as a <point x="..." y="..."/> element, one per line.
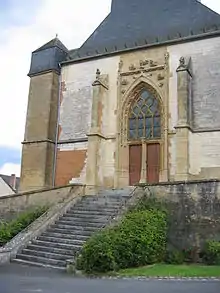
<point x="138" y="102"/>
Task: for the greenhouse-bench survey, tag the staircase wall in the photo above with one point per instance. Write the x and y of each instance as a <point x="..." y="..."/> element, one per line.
<point x="194" y="209"/>
<point x="13" y="204"/>
<point x="64" y="198"/>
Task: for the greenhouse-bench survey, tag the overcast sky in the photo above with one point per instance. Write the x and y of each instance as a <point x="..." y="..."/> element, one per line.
<point x="24" y="26"/>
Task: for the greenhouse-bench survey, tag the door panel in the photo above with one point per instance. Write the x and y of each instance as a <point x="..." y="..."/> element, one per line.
<point x="135" y="156"/>
<point x="153" y="162"/>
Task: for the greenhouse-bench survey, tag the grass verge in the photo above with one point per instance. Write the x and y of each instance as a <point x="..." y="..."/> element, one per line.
<point x="162" y="270"/>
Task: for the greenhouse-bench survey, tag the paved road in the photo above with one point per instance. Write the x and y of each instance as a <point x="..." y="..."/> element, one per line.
<point x="19" y="279"/>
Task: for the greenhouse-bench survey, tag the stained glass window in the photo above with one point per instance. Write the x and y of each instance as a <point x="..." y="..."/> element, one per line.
<point x="145" y="118"/>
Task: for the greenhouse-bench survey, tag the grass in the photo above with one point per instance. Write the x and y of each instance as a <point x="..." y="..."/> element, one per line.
<point x="162" y="270"/>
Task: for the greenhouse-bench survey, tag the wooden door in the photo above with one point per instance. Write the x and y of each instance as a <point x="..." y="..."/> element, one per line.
<point x="135" y="156"/>
<point x="153" y="162"/>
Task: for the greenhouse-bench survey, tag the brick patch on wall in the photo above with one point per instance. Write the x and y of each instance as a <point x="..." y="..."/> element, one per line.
<point x="69" y="165"/>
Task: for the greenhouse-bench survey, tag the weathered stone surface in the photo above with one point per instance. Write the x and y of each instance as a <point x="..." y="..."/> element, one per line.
<point x="40" y="133"/>
<point x="194" y="209"/>
<point x="12" y="205"/>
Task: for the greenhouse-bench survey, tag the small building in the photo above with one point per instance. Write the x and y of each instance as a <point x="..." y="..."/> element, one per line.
<point x="137" y="102"/>
<point x="9" y="184"/>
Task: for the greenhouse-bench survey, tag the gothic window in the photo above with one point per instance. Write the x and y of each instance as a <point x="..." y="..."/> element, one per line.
<point x="145" y="118"/>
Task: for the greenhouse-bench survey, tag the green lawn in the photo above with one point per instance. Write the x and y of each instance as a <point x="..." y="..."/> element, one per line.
<point x="161" y="270"/>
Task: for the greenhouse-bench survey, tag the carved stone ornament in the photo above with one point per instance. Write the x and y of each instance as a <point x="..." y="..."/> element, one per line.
<point x="152" y="63"/>
<point x="98" y="81"/>
<point x="120" y="65"/>
<point x="132" y="67"/>
<point x="144" y="63"/>
<point x="124" y="82"/>
<point x="185" y="65"/>
<point x="98" y="73"/>
<point x="182" y="61"/>
<point x="160" y="77"/>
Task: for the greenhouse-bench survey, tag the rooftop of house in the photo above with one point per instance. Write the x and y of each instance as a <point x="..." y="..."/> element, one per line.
<point x="12" y="181"/>
<point x="133" y="24"/>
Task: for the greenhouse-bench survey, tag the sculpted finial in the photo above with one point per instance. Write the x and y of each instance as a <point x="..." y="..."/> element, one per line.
<point x="98" y="72"/>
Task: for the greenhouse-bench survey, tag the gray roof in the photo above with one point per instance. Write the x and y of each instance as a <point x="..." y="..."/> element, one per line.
<point x="53" y="43"/>
<point x="7" y="179"/>
<point x="137" y="23"/>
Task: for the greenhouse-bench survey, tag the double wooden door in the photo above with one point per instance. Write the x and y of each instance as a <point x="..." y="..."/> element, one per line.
<point x="152" y="163"/>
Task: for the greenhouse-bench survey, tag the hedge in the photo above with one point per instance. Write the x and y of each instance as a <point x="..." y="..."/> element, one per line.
<point x="211" y="253"/>
<point x="12" y="228"/>
<point x="140" y="239"/>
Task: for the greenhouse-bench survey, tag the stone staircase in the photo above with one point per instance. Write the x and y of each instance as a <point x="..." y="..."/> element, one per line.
<point x="61" y="241"/>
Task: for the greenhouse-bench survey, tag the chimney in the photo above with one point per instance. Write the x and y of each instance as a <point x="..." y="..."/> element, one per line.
<point x="13" y="181"/>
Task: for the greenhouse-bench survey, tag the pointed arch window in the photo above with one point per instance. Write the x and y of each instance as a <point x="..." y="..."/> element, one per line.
<point x="145" y="118"/>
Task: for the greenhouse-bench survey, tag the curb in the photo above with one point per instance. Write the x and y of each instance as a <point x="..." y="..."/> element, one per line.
<point x="198" y="279"/>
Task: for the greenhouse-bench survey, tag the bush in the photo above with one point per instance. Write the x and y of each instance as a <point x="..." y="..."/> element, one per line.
<point x="140" y="239"/>
<point x="211" y="254"/>
<point x="12" y="228"/>
<point x="175" y="257"/>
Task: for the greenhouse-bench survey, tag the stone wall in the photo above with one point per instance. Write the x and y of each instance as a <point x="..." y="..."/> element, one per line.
<point x="194" y="209"/>
<point x="75" y="119"/>
<point x="12" y="205"/>
<point x="204" y="159"/>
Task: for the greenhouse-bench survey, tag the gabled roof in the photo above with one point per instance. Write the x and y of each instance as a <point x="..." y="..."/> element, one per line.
<point x="136" y="23"/>
<point x="53" y="43"/>
<point x="7" y="180"/>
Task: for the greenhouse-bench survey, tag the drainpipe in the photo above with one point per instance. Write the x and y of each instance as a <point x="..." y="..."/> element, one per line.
<point x="57" y="130"/>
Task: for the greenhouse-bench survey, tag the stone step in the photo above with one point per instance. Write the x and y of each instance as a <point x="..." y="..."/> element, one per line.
<point x="123" y="193"/>
<point x="36" y="264"/>
<point x="44" y="260"/>
<point x="90" y="213"/>
<point x="82" y="208"/>
<point x="84" y="220"/>
<point x="57" y="245"/>
<point x="46" y="254"/>
<point x="61" y="240"/>
<point x="103" y="200"/>
<point x="98" y="205"/>
<point x="73" y="229"/>
<point x="86" y="215"/>
<point x="65" y="236"/>
<point x="80" y="224"/>
<point x="50" y="249"/>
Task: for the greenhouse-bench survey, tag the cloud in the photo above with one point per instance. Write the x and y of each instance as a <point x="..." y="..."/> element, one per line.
<point x="74" y="21"/>
<point x="10" y="168"/>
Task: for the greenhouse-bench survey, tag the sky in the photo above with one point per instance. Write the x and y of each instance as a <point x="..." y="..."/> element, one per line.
<point x="26" y="25"/>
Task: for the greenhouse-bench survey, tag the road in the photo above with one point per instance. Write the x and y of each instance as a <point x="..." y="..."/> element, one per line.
<point x="22" y="279"/>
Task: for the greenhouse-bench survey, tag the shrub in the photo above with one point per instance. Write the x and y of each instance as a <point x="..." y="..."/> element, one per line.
<point x="140" y="239"/>
<point x="211" y="254"/>
<point x="12" y="228"/>
<point x="98" y="254"/>
<point x="175" y="257"/>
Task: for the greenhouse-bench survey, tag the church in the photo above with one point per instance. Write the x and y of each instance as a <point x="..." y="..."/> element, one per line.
<point x="138" y="102"/>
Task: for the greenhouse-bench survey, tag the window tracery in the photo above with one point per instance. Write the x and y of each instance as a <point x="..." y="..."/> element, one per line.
<point x="145" y="118"/>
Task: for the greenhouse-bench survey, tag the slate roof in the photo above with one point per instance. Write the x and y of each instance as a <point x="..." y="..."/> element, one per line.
<point x="7" y="179"/>
<point x="137" y="23"/>
<point x="53" y="43"/>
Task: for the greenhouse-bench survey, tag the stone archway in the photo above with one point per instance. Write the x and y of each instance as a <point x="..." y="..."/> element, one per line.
<point x="141" y="143"/>
<point x="144" y="137"/>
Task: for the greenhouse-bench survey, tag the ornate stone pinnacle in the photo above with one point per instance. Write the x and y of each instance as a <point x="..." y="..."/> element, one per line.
<point x="98" y="72"/>
<point x="182" y="61"/>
